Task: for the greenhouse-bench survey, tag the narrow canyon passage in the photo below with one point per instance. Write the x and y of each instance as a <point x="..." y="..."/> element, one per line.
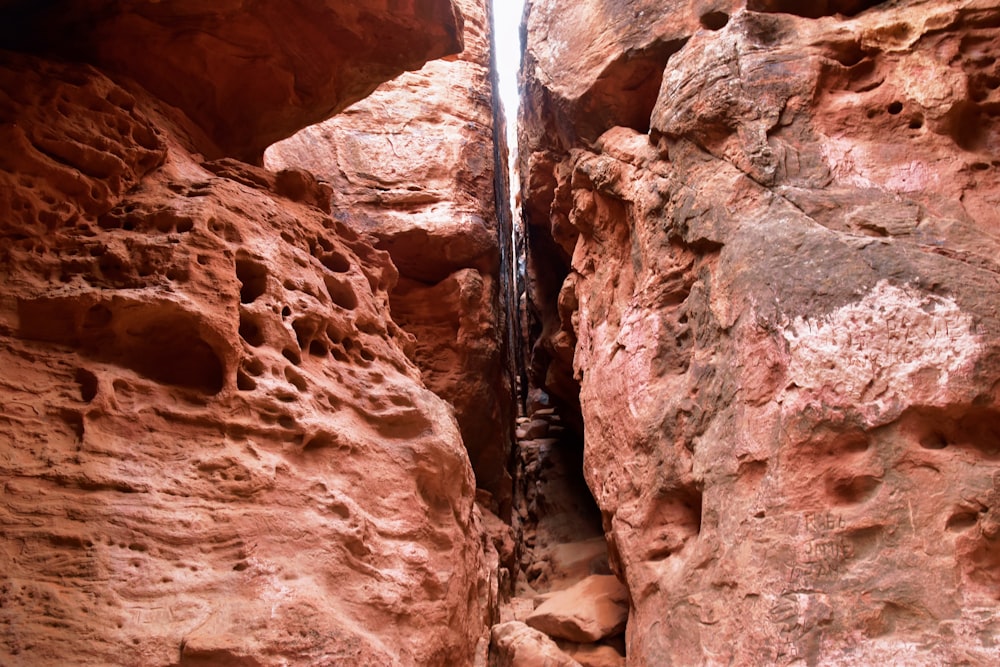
<point x="311" y="354"/>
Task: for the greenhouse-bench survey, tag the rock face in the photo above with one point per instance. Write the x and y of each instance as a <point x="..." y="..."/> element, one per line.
<point x="248" y="73"/>
<point x="413" y="166"/>
<point x="213" y="448"/>
<point x="763" y="247"/>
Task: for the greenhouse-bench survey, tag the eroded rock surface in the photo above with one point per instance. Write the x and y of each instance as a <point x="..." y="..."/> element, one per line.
<point x="517" y="645"/>
<point x="414" y="166"/>
<point x="248" y="73"/>
<point x="213" y="447"/>
<point x="776" y="297"/>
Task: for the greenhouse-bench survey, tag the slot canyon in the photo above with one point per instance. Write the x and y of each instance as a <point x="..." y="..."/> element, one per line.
<point x="295" y="370"/>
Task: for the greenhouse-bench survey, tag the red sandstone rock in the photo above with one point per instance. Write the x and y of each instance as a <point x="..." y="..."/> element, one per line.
<point x="213" y="449"/>
<point x="535" y="429"/>
<point x="559" y="525"/>
<point x="586" y="612"/>
<point x="413" y="166"/>
<point x="593" y="655"/>
<point x="517" y="645"/>
<point x="778" y="297"/>
<point x="247" y="73"/>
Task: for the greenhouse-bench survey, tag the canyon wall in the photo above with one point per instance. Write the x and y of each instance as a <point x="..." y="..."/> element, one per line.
<point x="414" y="167"/>
<point x="247" y="73"/>
<point x="214" y="449"/>
<point x="244" y="411"/>
<point x="763" y="242"/>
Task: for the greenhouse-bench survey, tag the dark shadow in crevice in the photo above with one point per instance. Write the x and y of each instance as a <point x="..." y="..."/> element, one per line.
<point x="813" y="9"/>
<point x="625" y="93"/>
<point x="159" y="341"/>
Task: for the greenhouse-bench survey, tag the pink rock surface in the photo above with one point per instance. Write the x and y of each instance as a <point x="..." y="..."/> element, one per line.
<point x="213" y="449"/>
<point x="413" y="167"/>
<point x="593" y="655"/>
<point x="586" y="612"/>
<point x="776" y="297"/>
<point x="517" y="645"/>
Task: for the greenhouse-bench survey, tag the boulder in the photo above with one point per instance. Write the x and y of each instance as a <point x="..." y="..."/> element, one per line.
<point x="586" y="612"/>
<point x="517" y="645"/>
<point x="593" y="655"/>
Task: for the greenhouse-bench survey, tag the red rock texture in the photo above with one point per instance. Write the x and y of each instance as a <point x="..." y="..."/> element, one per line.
<point x="561" y="538"/>
<point x="413" y="166"/>
<point x="590" y="610"/>
<point x="517" y="645"/>
<point x="775" y="292"/>
<point x="248" y="73"/>
<point x="563" y="586"/>
<point x="213" y="447"/>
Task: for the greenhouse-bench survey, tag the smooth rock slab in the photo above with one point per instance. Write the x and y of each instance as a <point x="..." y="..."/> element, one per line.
<point x="589" y="611"/>
<point x="593" y="655"/>
<point x="413" y="168"/>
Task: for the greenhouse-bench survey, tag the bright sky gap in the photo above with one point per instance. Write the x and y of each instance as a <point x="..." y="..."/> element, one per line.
<point x="506" y="26"/>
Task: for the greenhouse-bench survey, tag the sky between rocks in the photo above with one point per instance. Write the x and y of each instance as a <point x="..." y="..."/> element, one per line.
<point x="506" y="24"/>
